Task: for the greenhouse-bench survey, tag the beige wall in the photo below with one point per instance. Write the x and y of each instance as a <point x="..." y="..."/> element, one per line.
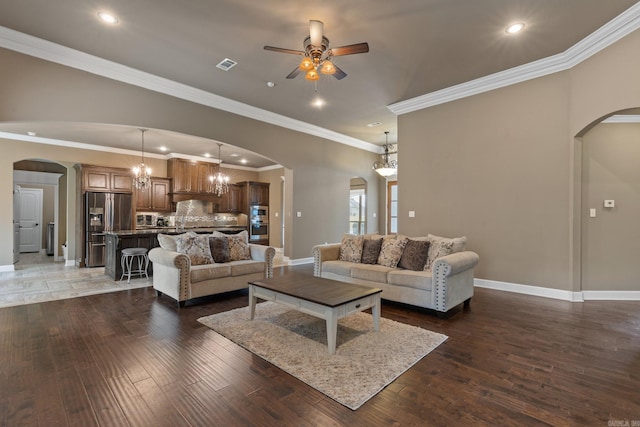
<point x="611" y="240"/>
<point x="34" y="89"/>
<point x="500" y="167"/>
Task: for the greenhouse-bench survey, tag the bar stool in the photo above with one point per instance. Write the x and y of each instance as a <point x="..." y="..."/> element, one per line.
<point x="142" y="262"/>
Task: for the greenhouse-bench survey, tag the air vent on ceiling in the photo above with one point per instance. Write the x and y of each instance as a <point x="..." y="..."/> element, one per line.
<point x="226" y="64"/>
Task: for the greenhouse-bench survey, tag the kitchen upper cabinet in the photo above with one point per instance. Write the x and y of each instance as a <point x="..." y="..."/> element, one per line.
<point x="255" y="193"/>
<point x="156" y="197"/>
<point x="230" y="201"/>
<point x="189" y="176"/>
<point x="100" y="178"/>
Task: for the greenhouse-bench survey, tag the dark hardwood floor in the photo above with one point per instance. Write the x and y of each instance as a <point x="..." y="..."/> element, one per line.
<point x="128" y="358"/>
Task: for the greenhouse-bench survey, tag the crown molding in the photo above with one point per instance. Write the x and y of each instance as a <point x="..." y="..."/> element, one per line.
<point x="622" y="25"/>
<point x="619" y="118"/>
<point x="84" y="146"/>
<point x="53" y="52"/>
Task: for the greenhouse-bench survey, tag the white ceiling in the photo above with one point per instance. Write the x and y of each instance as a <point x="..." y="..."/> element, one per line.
<point x="417" y="47"/>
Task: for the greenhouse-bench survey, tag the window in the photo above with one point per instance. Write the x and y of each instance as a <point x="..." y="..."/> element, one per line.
<point x="357" y="212"/>
<point x="392" y="207"/>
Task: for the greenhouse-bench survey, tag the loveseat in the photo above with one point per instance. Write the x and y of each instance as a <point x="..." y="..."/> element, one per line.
<point x="194" y="265"/>
<point x="431" y="272"/>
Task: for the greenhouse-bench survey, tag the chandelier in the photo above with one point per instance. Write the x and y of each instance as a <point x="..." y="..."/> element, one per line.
<point x="219" y="182"/>
<point x="142" y="172"/>
<point x="386" y="167"/>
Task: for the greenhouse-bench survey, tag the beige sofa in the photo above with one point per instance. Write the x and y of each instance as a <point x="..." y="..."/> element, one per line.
<point x="447" y="283"/>
<point x="175" y="276"/>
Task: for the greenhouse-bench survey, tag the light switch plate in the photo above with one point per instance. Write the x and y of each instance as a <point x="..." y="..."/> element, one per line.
<point x="592" y="213"/>
<point x="299" y="214"/>
<point x="412" y="214"/>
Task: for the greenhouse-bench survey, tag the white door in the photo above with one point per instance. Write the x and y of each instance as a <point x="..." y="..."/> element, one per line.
<point x="16" y="223"/>
<point x="30" y="219"/>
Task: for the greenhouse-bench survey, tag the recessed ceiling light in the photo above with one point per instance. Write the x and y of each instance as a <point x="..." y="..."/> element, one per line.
<point x="271" y="84"/>
<point x="207" y="155"/>
<point x="244" y="161"/>
<point x="514" y="28"/>
<point x="108" y="17"/>
<point x="234" y="155"/>
<point x="163" y="148"/>
<point x="32" y="133"/>
<point x="318" y="102"/>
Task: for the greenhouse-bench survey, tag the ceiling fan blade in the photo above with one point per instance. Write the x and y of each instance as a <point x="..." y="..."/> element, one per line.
<point x="315" y="32"/>
<point x="350" y="49"/>
<point x="339" y="74"/>
<point x="282" y="50"/>
<point x="294" y="73"/>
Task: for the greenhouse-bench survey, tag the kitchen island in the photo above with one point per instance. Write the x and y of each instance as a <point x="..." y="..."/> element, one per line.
<point x="147" y="238"/>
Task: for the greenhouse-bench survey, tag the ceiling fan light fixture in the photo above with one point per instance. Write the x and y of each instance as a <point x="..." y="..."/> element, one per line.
<point x="312" y="75"/>
<point x="328" y="68"/>
<point x="306" y="64"/>
<point x="315" y="32"/>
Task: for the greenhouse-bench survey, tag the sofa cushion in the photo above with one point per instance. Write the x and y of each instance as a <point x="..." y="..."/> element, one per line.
<point x="411" y="279"/>
<point x="342" y="268"/>
<point x="374" y="273"/>
<point x="219" y="249"/>
<point x="391" y="251"/>
<point x="167" y="242"/>
<point x="414" y="255"/>
<point x="238" y="247"/>
<point x="371" y="250"/>
<point x="196" y="247"/>
<point x="240" y="268"/>
<point x="244" y="234"/>
<point x="351" y="248"/>
<point x="442" y="246"/>
<point x="199" y="273"/>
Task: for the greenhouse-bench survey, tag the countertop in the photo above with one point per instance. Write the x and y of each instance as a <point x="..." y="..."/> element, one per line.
<point x="173" y="231"/>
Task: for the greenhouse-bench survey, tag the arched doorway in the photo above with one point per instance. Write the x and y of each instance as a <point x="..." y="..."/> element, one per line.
<point x="610" y="206"/>
<point x="49" y="179"/>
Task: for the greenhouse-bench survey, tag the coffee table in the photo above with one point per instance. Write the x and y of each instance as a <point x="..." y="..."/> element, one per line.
<point x="324" y="298"/>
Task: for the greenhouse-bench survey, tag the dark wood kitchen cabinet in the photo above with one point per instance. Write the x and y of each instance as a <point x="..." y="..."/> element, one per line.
<point x="156" y="197"/>
<point x="253" y="193"/>
<point x="100" y="178"/>
<point x="230" y="201"/>
<point x="189" y="176"/>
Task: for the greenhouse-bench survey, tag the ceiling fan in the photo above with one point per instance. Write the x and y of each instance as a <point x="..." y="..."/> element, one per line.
<point x="316" y="56"/>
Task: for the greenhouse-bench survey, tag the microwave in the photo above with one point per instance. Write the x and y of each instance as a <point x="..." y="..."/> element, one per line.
<point x="257" y="211"/>
<point x="145" y="220"/>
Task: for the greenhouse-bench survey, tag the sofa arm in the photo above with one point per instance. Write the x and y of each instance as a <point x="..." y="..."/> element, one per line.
<point x="178" y="265"/>
<point x="321" y="253"/>
<point x="266" y="254"/>
<point x="453" y="279"/>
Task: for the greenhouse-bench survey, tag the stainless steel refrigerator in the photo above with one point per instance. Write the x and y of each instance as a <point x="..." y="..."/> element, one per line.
<point x="104" y="212"/>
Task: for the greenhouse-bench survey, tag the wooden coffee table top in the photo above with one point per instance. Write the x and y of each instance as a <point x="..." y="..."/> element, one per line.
<point x="331" y="293"/>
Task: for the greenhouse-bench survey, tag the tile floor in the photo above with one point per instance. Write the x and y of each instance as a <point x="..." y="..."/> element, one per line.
<point x="37" y="278"/>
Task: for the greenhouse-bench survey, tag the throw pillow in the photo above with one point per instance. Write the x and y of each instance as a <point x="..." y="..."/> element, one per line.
<point x="437" y="249"/>
<point x="196" y="247"/>
<point x="371" y="250"/>
<point x="459" y="243"/>
<point x="220" y="249"/>
<point x="244" y="234"/>
<point x="414" y="256"/>
<point x="238" y="247"/>
<point x="391" y="251"/>
<point x="167" y="242"/>
<point x="351" y="248"/>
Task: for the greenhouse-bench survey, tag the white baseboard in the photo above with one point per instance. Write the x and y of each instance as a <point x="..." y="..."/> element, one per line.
<point x="5" y="268"/>
<point x="529" y="290"/>
<point x="70" y="263"/>
<point x="611" y="295"/>
<point x="301" y="261"/>
<point x="558" y="293"/>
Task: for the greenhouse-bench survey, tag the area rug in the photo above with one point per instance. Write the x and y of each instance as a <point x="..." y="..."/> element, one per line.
<point x="365" y="361"/>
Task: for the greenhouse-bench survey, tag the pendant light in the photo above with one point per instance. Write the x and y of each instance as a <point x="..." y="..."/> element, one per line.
<point x="142" y="172"/>
<point x="219" y="182"/>
<point x="386" y="167"/>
